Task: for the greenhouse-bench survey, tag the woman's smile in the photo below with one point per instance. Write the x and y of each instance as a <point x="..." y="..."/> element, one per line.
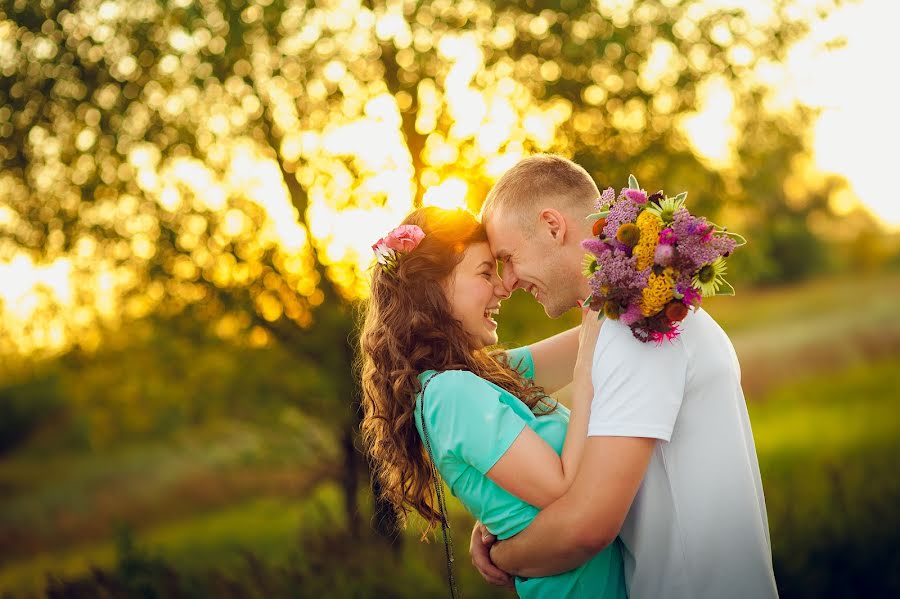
<point x="490" y="314"/>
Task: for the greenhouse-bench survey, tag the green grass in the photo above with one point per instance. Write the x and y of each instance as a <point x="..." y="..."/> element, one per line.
<point x="60" y="500"/>
<point x="827" y="449"/>
<point x="830" y="415"/>
<point x="269" y="527"/>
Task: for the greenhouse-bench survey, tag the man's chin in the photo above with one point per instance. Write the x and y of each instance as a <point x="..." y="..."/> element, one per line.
<point x="555" y="310"/>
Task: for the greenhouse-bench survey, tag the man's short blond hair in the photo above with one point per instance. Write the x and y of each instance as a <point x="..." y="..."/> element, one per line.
<point x="539" y="181"/>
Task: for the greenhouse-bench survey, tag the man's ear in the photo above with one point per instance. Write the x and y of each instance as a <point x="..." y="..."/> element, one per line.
<point x="554" y="223"/>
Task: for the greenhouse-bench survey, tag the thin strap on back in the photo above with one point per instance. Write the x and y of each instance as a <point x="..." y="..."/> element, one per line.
<point x="439" y="491"/>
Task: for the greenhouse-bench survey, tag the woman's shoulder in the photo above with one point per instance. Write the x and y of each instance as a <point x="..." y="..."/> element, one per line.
<point x="450" y="380"/>
<point x="453" y="389"/>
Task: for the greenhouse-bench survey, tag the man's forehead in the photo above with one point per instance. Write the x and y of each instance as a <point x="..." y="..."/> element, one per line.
<point x="502" y="237"/>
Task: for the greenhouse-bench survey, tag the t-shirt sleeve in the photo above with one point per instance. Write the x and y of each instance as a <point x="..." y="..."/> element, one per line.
<point x="520" y="359"/>
<point x="467" y="421"/>
<point x="638" y="387"/>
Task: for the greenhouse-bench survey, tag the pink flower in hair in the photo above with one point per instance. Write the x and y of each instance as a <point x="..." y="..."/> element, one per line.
<point x="404" y="238"/>
<point x="398" y="242"/>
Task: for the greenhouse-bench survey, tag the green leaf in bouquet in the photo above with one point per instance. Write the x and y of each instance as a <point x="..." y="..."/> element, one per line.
<point x="726" y="289"/>
<point x="633" y="182"/>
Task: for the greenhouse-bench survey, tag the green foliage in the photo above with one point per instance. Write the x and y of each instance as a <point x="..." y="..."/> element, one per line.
<point x="155" y="378"/>
<point x="27" y="405"/>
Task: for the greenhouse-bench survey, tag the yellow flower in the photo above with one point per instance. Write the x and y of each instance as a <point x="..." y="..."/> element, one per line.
<point x="667" y="207"/>
<point x="712" y="276"/>
<point x="589" y="265"/>
<point x="650" y="226"/>
<point x="659" y="291"/>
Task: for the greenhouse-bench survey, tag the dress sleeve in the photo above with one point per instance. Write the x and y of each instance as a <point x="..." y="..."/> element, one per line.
<point x="467" y="421"/>
<point x="638" y="387"/>
<point x="520" y="359"/>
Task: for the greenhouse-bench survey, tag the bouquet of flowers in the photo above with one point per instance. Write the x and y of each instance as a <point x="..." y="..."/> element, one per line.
<point x="651" y="260"/>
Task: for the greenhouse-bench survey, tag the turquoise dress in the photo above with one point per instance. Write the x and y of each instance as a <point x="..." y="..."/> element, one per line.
<point x="471" y="423"/>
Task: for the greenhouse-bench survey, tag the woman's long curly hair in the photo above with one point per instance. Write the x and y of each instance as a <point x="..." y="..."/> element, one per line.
<point x="408" y="329"/>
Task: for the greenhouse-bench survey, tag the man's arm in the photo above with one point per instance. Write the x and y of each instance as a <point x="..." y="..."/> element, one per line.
<point x="585" y="519"/>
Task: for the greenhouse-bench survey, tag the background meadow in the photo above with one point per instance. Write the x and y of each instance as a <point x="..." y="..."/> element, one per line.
<point x="188" y="192"/>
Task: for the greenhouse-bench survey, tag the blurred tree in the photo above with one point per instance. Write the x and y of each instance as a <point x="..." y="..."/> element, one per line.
<point x="235" y="158"/>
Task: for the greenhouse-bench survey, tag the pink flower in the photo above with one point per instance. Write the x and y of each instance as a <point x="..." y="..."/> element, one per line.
<point x="631" y="315"/>
<point x="663" y="254"/>
<point x="667" y="236"/>
<point x="690" y="296"/>
<point x="376" y="244"/>
<point x="638" y="196"/>
<point x="669" y="335"/>
<point x="404" y="238"/>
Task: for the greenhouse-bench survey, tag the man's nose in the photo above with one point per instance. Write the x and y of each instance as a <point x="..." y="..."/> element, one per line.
<point x="501" y="291"/>
<point x="509" y="280"/>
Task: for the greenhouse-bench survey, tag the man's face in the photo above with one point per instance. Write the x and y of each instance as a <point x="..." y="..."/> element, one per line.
<point x="534" y="261"/>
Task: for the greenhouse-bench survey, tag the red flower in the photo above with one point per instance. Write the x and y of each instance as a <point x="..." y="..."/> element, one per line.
<point x="676" y="311"/>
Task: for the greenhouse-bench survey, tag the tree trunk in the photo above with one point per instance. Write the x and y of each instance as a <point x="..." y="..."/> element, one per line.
<point x="350" y="482"/>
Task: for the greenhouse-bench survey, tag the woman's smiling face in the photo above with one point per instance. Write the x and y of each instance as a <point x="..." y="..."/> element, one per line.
<point x="475" y="291"/>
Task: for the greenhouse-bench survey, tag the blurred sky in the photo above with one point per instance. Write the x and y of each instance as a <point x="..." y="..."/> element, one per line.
<point x="838" y="69"/>
<point x="856" y="135"/>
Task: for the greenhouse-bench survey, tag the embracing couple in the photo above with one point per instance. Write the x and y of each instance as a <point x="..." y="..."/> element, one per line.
<point x="648" y="487"/>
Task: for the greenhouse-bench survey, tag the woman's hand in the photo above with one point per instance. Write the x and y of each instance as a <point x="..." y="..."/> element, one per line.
<point x="480" y="549"/>
<point x="587" y="341"/>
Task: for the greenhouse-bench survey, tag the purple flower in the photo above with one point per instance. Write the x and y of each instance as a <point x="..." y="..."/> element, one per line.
<point x="723" y="244"/>
<point x="595" y="246"/>
<point x="684" y="224"/>
<point x="620" y="213"/>
<point x="638" y="196"/>
<point x="617" y="270"/>
<point x="606" y="198"/>
<point x="697" y="244"/>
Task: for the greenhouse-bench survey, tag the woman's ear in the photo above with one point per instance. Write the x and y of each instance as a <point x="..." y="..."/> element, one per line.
<point x="553" y="223"/>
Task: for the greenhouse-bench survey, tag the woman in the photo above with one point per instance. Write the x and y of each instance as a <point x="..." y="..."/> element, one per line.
<point x="503" y="447"/>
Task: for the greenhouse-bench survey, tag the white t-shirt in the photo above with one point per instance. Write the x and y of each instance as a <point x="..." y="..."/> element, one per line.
<point x="698" y="526"/>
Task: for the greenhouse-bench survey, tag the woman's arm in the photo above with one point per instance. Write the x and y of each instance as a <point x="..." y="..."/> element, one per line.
<point x="530" y="469"/>
<point x="554" y="358"/>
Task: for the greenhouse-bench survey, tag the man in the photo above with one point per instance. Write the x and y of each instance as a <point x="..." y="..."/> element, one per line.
<point x="670" y="467"/>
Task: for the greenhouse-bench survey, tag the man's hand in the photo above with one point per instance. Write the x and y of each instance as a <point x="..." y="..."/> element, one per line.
<point x="480" y="550"/>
